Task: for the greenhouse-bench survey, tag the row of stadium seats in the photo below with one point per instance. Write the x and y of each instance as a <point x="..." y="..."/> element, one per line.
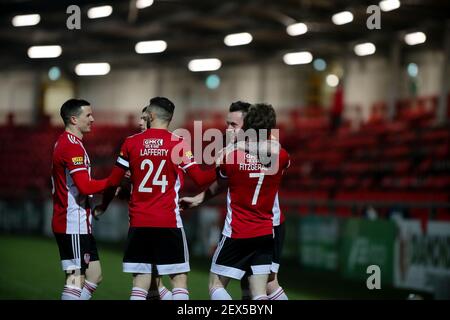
<point x="395" y="161"/>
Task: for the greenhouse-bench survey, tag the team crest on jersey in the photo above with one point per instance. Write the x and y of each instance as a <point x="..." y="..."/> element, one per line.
<point x="87" y="258"/>
<point x="77" y="160"/>
<point x="189" y="155"/>
<point x="153" y="143"/>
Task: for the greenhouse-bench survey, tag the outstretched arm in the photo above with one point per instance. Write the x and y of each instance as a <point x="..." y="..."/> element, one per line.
<point x="86" y="186"/>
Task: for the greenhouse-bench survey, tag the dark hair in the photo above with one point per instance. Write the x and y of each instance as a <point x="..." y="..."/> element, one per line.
<point x="163" y="108"/>
<point x="260" y="116"/>
<point x="144" y="110"/>
<point x="240" y="106"/>
<point x="72" y="107"/>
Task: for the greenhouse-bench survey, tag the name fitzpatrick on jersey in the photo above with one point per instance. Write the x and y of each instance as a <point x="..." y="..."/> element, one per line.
<point x="154" y="152"/>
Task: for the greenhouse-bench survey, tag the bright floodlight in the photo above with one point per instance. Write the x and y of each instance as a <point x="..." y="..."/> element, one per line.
<point x="198" y="65"/>
<point x="415" y="38"/>
<point x="26" y="20"/>
<point x="389" y="5"/>
<point x="365" y="49"/>
<point x="302" y="57"/>
<point x="238" y="39"/>
<point x="37" y="52"/>
<point x="99" y="12"/>
<point x="141" y="4"/>
<point x="92" y="69"/>
<point x="342" y="17"/>
<point x="332" y="80"/>
<point x="150" y="46"/>
<point x="297" y="29"/>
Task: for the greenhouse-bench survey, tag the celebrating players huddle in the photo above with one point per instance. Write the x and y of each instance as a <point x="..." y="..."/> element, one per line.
<point x="154" y="162"/>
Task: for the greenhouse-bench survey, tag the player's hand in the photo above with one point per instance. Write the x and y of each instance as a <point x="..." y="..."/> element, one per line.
<point x="190" y="202"/>
<point x="98" y="211"/>
<point x="117" y="191"/>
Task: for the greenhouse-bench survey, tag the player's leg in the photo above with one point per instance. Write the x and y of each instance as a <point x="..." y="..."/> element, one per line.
<point x="274" y="290"/>
<point x="172" y="258"/>
<point x="92" y="280"/>
<point x="137" y="260"/>
<point x="260" y="266"/>
<point x="229" y="261"/>
<point x="164" y="293"/>
<point x="69" y="251"/>
<point x="141" y="285"/>
<point x="245" y="288"/>
<point x="93" y="271"/>
<point x="258" y="285"/>
<point x="179" y="285"/>
<point x="217" y="287"/>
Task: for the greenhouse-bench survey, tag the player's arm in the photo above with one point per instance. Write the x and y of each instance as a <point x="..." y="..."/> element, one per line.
<point x="214" y="189"/>
<point x="75" y="162"/>
<point x="113" y="181"/>
<point x="86" y="186"/>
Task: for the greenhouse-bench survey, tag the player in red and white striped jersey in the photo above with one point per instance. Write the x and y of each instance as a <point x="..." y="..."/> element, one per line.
<point x="72" y="203"/>
<point x="157" y="160"/>
<point x="235" y="120"/>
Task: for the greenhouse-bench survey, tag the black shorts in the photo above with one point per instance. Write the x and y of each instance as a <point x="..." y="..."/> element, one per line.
<point x="279" y="234"/>
<point x="235" y="257"/>
<point x="76" y="251"/>
<point x="162" y="249"/>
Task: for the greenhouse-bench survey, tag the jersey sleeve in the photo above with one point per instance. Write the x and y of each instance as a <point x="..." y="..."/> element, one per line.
<point x="123" y="160"/>
<point x="225" y="162"/>
<point x="186" y="157"/>
<point x="74" y="158"/>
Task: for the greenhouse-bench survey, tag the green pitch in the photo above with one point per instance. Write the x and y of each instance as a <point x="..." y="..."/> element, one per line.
<point x="30" y="269"/>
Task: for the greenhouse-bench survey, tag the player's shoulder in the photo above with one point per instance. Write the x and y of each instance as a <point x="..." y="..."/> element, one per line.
<point x="67" y="141"/>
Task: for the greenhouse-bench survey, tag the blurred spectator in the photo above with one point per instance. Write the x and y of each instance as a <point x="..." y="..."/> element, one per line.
<point x="336" y="109"/>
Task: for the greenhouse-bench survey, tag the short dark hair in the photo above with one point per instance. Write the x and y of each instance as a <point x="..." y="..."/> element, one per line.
<point x="144" y="110"/>
<point x="163" y="108"/>
<point x="240" y="106"/>
<point x="72" y="107"/>
<point x="260" y="116"/>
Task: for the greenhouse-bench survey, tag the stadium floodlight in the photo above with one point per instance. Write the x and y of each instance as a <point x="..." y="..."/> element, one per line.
<point x="389" y="5"/>
<point x="198" y="65"/>
<point x="302" y="57"/>
<point x="37" y="52"/>
<point x="343" y="17"/>
<point x="99" y="12"/>
<point x="364" y="49"/>
<point x="297" y="29"/>
<point x="238" y="39"/>
<point x="141" y="4"/>
<point x="415" y="38"/>
<point x="26" y="20"/>
<point x="92" y="69"/>
<point x="154" y="46"/>
<point x="332" y="80"/>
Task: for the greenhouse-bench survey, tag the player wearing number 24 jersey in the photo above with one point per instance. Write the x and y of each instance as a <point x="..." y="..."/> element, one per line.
<point x="157" y="160"/>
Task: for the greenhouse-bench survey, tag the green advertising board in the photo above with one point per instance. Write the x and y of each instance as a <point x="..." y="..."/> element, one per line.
<point x="364" y="243"/>
<point x="318" y="242"/>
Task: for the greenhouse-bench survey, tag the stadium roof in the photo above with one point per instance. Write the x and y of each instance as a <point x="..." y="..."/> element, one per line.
<point x="196" y="29"/>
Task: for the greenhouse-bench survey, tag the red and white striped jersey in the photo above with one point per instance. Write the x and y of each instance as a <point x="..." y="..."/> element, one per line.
<point x="156" y="176"/>
<point x="252" y="199"/>
<point x="71" y="210"/>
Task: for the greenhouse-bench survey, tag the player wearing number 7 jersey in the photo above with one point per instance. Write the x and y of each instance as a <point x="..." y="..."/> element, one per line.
<point x="157" y="160"/>
<point x="247" y="243"/>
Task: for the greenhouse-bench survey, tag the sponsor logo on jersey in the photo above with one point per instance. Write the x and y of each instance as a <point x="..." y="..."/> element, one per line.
<point x="77" y="160"/>
<point x="153" y="143"/>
